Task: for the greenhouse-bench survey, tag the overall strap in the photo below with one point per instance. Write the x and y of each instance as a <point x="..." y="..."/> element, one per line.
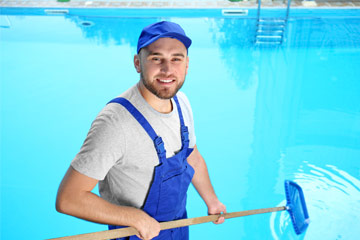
<point x="183" y="128"/>
<point x="159" y="144"/>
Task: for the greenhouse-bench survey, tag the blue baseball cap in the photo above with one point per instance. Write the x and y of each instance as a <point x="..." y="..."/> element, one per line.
<point x="162" y="29"/>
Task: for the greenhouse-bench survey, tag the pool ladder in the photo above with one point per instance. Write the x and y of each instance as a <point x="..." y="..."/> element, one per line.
<point x="269" y="30"/>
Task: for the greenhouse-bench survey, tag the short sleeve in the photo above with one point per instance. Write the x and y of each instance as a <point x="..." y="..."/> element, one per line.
<point x="103" y="146"/>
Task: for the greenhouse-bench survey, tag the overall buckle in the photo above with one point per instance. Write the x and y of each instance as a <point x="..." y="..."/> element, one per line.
<point x="159" y="146"/>
<point x="184" y="133"/>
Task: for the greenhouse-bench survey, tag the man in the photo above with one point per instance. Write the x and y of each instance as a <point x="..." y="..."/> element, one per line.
<point x="141" y="148"/>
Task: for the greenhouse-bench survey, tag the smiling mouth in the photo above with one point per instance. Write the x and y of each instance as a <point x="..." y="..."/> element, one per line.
<point x="165" y="80"/>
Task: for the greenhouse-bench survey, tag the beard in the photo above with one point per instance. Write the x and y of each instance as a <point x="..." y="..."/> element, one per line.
<point x="162" y="93"/>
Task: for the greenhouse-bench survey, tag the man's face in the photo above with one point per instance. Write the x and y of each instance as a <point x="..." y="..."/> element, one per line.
<point x="163" y="66"/>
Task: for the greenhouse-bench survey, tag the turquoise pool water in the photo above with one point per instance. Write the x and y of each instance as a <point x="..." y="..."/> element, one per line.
<point x="262" y="115"/>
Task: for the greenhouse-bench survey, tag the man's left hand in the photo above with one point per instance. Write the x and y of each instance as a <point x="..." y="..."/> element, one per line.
<point x="215" y="209"/>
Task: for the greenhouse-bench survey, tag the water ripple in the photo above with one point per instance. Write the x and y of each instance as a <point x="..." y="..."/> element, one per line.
<point x="333" y="199"/>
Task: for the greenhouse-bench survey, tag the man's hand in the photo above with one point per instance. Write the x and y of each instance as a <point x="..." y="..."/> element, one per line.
<point x="202" y="184"/>
<point x="217" y="208"/>
<point x="147" y="227"/>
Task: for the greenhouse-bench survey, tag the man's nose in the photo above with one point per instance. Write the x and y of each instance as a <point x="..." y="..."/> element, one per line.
<point x="165" y="66"/>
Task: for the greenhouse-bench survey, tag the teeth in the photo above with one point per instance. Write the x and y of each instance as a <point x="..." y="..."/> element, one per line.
<point x="165" y="81"/>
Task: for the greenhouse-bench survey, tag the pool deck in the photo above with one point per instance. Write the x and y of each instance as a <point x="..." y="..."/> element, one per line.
<point x="180" y="4"/>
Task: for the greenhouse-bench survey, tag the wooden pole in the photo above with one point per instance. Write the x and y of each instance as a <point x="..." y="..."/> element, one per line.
<point x="129" y="231"/>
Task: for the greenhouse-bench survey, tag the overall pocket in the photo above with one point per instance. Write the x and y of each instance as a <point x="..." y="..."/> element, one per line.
<point x="171" y="195"/>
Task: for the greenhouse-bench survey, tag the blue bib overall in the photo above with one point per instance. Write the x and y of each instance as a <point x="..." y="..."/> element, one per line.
<point x="166" y="199"/>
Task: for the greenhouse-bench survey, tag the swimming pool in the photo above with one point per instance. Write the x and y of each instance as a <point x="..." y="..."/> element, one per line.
<point x="262" y="115"/>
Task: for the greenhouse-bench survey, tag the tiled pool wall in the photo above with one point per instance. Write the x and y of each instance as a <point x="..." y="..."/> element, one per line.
<point x="178" y="3"/>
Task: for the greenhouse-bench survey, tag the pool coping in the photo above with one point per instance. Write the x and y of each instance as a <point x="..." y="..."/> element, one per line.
<point x="158" y="4"/>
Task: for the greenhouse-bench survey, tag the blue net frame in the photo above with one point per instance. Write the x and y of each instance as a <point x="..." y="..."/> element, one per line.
<point x="296" y="206"/>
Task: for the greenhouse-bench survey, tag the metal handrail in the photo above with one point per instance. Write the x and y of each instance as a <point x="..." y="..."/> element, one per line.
<point x="287" y="9"/>
<point x="8" y="22"/>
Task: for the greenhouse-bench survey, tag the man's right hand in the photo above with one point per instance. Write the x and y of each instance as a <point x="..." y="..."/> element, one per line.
<point x="147" y="227"/>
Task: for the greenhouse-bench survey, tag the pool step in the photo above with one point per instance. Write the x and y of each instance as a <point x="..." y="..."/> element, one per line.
<point x="270" y="31"/>
<point x="272" y="21"/>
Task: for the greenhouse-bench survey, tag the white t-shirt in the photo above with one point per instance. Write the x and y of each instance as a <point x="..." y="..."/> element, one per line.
<point x="120" y="154"/>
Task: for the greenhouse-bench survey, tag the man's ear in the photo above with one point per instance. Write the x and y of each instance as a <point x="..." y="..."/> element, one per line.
<point x="187" y="64"/>
<point x="137" y="63"/>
